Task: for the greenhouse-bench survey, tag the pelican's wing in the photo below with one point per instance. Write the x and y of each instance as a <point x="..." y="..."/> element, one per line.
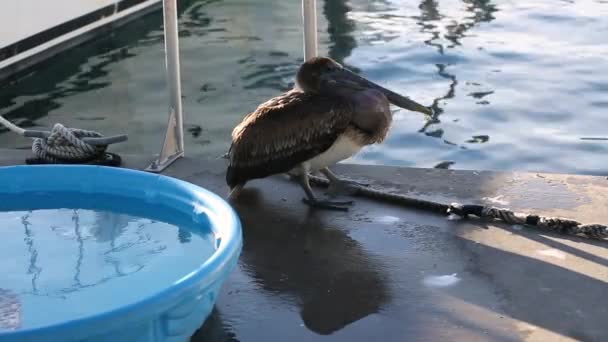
<point x="284" y="132"/>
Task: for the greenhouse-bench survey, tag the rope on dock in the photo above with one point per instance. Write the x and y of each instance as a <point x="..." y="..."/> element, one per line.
<point x="554" y="224"/>
<point x="68" y="145"/>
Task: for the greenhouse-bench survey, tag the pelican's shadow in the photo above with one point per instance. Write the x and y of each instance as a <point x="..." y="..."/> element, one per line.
<point x="331" y="278"/>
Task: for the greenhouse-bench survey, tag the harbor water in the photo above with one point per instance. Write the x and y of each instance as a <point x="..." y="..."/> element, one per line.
<point x="515" y="85"/>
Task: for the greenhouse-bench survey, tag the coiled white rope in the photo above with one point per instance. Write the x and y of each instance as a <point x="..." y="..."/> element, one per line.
<point x="64" y="144"/>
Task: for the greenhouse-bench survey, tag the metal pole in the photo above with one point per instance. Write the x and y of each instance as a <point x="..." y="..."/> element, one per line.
<point x="309" y="18"/>
<point x="173" y="66"/>
<point x="173" y="146"/>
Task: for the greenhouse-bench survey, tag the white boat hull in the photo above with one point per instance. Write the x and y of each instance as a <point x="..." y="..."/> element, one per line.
<point x="33" y="30"/>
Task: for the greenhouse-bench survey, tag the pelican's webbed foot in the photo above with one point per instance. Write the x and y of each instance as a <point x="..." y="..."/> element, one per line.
<point x="313" y="202"/>
<point x="339" y="186"/>
<point x="324" y="204"/>
<point x="344" y="187"/>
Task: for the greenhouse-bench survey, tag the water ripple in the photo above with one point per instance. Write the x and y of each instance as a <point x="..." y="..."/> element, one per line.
<point x="510" y="90"/>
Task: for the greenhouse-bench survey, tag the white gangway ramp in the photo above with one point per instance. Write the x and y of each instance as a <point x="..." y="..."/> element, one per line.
<point x="173" y="144"/>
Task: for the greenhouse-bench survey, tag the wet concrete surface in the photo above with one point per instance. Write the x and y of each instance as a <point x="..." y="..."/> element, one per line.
<point x="383" y="272"/>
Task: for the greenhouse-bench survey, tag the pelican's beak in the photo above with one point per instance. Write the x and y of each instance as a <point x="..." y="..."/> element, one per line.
<point x="346" y="78"/>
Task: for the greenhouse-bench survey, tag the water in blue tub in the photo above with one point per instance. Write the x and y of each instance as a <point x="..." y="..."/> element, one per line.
<point x="65" y="264"/>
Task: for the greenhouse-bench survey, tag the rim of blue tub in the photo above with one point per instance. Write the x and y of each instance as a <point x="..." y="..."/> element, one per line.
<point x="224" y="223"/>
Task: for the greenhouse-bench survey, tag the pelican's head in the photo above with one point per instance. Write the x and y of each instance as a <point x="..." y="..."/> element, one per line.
<point x="324" y="75"/>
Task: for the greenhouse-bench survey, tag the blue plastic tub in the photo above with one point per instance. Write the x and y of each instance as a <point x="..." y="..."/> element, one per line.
<point x="166" y="222"/>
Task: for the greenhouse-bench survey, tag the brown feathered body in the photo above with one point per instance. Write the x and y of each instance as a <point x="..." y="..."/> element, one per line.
<point x="305" y="132"/>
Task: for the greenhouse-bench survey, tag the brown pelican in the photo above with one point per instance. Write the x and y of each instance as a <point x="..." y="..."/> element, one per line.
<point x="329" y="116"/>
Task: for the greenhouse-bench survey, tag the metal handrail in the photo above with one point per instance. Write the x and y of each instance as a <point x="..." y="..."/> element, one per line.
<point x="173" y="145"/>
<point x="309" y="21"/>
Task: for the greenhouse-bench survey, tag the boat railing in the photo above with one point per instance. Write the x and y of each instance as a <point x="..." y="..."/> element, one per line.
<point x="173" y="144"/>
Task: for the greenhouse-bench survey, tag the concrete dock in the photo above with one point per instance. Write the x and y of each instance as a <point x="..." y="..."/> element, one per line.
<point x="388" y="273"/>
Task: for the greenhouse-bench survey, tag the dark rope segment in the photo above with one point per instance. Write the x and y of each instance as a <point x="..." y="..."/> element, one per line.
<point x="554" y="224"/>
<point x="389" y="197"/>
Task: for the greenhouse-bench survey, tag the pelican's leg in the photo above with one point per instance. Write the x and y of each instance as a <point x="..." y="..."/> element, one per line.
<point x="312" y="201"/>
<point x="339" y="186"/>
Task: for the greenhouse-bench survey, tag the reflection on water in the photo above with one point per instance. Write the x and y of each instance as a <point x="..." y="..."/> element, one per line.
<point x="481" y="11"/>
<point x="340" y="30"/>
<point x="509" y="89"/>
<point x="53" y="258"/>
